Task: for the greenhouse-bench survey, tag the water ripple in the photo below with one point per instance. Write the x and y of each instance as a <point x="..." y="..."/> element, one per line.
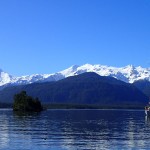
<point x="75" y="129"/>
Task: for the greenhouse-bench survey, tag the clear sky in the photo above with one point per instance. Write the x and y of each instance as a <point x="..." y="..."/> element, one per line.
<point x="46" y="36"/>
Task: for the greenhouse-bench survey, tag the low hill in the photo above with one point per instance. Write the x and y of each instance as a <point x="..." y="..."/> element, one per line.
<point x="87" y="88"/>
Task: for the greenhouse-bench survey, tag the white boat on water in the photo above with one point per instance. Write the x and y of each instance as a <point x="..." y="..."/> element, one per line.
<point x="147" y="110"/>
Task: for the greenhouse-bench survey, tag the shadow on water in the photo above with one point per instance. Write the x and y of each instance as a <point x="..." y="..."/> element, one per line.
<point x="20" y="114"/>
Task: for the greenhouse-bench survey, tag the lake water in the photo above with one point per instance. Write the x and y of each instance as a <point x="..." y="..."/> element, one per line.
<point x="75" y="130"/>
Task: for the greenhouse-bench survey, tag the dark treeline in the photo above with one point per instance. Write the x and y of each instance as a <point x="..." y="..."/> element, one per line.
<point x="6" y="105"/>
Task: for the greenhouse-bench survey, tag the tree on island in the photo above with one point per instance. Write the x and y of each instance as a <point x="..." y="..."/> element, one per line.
<point x="25" y="103"/>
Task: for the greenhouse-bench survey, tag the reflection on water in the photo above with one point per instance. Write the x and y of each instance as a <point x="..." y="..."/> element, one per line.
<point x="147" y="119"/>
<point x="4" y="135"/>
<point x="74" y="129"/>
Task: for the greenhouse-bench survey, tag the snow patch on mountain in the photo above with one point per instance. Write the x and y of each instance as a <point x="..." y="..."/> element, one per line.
<point x="70" y="71"/>
<point x="5" y="78"/>
<point x="127" y="74"/>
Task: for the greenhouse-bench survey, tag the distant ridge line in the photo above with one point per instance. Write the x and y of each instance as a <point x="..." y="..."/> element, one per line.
<point x="128" y="74"/>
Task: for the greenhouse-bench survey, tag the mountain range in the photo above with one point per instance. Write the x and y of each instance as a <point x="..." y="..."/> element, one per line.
<point x="128" y="74"/>
<point x="82" y="85"/>
<point x="84" y="89"/>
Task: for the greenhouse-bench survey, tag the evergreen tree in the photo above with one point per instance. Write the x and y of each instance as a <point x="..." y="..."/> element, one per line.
<point x="23" y="102"/>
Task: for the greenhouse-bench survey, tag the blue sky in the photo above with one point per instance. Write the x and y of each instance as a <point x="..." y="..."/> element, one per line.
<point x="46" y="36"/>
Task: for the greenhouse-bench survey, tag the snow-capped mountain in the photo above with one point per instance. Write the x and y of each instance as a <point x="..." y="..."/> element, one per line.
<point x="127" y="74"/>
<point x="5" y="78"/>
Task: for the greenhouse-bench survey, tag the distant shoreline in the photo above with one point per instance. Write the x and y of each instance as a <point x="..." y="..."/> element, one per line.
<point x="80" y="106"/>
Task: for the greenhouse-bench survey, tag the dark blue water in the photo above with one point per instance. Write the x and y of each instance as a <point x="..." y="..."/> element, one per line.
<point x="75" y="130"/>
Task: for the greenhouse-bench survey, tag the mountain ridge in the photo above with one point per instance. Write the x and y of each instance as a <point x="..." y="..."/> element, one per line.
<point x="86" y="89"/>
<point x="128" y="74"/>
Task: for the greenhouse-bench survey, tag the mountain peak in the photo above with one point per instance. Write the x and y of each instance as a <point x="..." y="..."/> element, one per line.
<point x="5" y="78"/>
<point x="70" y="71"/>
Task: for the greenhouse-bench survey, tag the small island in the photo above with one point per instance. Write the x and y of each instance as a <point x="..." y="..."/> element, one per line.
<point x="25" y="103"/>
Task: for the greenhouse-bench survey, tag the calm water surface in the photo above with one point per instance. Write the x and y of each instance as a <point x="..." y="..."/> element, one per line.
<point x="75" y="130"/>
